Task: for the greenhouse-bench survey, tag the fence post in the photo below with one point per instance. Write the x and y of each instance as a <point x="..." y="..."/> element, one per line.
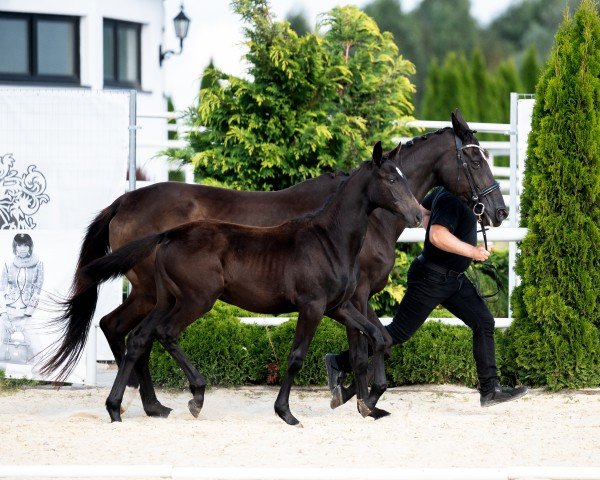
<point x="132" y="138"/>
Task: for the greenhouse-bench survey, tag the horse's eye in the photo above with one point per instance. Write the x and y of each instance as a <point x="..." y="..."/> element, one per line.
<point x="476" y="163"/>
<point x="392" y="180"/>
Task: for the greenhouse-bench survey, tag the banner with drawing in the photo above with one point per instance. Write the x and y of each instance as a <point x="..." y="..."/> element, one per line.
<point x="63" y="158"/>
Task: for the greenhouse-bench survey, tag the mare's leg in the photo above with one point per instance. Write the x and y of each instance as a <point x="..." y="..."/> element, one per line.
<point x="349" y="315"/>
<point x="309" y="317"/>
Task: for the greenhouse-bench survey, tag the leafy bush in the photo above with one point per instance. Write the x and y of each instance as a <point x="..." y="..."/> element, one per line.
<point x="228" y="352"/>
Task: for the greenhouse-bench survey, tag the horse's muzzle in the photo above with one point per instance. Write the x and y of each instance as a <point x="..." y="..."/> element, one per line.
<point x="501" y="214"/>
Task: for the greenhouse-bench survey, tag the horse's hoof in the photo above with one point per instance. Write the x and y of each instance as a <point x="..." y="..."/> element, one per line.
<point x="114" y="414"/>
<point x="288" y="418"/>
<point x="378" y="413"/>
<point x="362" y="408"/>
<point x="195" y="407"/>
<point x="157" y="410"/>
<point x="336" y="398"/>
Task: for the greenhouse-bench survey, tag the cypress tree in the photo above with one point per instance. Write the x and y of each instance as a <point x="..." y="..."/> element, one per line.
<point x="448" y="87"/>
<point x="507" y="81"/>
<point x="555" y="338"/>
<point x="429" y="109"/>
<point x="482" y="93"/>
<point x="530" y="70"/>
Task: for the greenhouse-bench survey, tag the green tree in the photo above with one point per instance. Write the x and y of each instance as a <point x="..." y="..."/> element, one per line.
<point x="407" y="35"/>
<point x="298" y="22"/>
<point x="555" y="338"/>
<point x="486" y="106"/>
<point x="313" y="102"/>
<point x="506" y="81"/>
<point x="448" y="87"/>
<point x="530" y="70"/>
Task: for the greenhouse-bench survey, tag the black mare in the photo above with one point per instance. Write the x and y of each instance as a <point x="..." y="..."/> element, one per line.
<point x="426" y="161"/>
<point x="309" y="265"/>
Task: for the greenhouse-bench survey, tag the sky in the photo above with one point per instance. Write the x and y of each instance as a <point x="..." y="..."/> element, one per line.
<point x="216" y="32"/>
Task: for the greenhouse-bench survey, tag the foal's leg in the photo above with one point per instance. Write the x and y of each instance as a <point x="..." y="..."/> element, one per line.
<point x="168" y="333"/>
<point x="357" y="341"/>
<point x="309" y="317"/>
<point x="115" y="326"/>
<point x="349" y="315"/>
<point x="137" y="343"/>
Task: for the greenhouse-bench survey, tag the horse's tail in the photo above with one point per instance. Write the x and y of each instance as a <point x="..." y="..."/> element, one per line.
<point x="75" y="321"/>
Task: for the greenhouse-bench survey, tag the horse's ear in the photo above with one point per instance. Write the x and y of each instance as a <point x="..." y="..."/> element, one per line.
<point x="378" y="154"/>
<point x="459" y="125"/>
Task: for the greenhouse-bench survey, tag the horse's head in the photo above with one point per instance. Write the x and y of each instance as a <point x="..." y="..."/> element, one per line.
<point x="475" y="182"/>
<point x="390" y="189"/>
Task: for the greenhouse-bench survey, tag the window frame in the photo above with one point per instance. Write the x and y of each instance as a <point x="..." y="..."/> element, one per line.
<point x="115" y="82"/>
<point x="33" y="76"/>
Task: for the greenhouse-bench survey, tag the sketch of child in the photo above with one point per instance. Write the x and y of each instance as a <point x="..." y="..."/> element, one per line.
<point x="20" y="287"/>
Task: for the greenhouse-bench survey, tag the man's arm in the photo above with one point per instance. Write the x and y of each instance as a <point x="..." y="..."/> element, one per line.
<point x="441" y="237"/>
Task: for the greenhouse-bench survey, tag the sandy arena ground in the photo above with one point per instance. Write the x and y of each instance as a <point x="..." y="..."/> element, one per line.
<point x="430" y="426"/>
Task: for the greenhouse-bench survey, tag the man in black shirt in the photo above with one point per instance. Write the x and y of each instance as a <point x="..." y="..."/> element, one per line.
<point x="437" y="277"/>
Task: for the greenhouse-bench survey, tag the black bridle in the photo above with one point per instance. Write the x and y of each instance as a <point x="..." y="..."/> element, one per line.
<point x="476" y="194"/>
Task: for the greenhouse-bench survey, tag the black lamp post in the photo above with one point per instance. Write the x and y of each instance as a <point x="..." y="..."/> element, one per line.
<point x="181" y="23"/>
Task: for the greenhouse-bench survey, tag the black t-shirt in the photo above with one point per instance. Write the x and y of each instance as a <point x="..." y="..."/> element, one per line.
<point x="449" y="211"/>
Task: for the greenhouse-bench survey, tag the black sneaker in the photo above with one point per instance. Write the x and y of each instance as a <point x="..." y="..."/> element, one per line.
<point x="502" y="394"/>
<point x="335" y="376"/>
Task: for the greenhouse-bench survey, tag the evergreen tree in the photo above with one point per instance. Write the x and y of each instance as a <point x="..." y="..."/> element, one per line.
<point x="530" y="70"/>
<point x="432" y="88"/>
<point x="484" y="99"/>
<point x="506" y="81"/>
<point x="298" y="22"/>
<point x="312" y="103"/>
<point x="555" y="339"/>
<point x="449" y="87"/>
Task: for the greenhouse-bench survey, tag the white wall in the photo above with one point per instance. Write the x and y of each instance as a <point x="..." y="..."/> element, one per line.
<point x="150" y="14"/>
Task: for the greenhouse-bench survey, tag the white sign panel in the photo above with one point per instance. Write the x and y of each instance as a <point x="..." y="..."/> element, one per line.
<point x="63" y="158"/>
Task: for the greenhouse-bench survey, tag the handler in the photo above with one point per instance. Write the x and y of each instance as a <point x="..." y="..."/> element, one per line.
<point x="437" y="277"/>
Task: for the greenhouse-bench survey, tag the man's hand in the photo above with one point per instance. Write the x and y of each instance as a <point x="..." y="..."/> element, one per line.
<point x="480" y="254"/>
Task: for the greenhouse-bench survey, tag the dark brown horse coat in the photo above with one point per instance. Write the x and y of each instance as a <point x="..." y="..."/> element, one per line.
<point x="307" y="265"/>
<point x="426" y="162"/>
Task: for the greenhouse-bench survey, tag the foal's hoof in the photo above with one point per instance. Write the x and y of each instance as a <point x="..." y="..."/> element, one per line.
<point x="157" y="410"/>
<point x="378" y="413"/>
<point x="337" y="398"/>
<point x="363" y="409"/>
<point x="195" y="407"/>
<point x="114" y="413"/>
<point x="288" y="418"/>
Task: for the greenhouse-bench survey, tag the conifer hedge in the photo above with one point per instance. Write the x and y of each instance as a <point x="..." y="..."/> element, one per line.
<point x="555" y="340"/>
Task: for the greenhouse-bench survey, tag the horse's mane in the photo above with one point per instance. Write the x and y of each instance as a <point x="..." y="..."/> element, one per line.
<point x="311" y="215"/>
<point x="422" y="138"/>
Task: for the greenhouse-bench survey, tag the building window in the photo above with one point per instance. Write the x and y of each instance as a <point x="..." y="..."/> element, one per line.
<point x="39" y="48"/>
<point x="122" y="53"/>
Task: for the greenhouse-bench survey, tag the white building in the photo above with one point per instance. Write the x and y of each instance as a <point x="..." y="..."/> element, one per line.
<point x="91" y="44"/>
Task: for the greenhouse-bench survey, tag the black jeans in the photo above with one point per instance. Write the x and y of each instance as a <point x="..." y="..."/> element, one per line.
<point x="426" y="289"/>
